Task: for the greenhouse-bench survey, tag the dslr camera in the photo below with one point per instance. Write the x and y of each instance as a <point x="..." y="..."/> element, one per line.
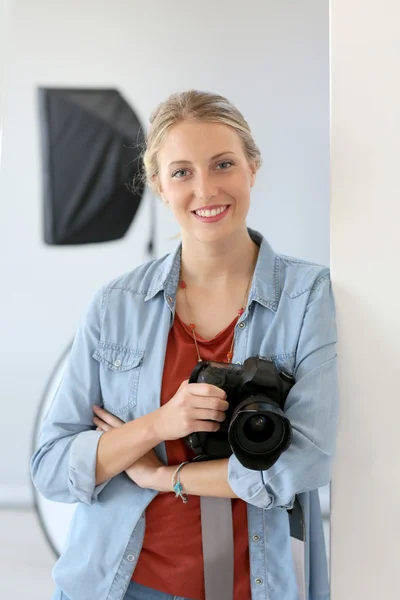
<point x="255" y="428"/>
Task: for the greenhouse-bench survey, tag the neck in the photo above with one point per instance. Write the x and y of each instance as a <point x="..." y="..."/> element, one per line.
<point x="233" y="258"/>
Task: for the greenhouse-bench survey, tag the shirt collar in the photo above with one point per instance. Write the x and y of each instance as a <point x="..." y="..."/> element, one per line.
<point x="265" y="284"/>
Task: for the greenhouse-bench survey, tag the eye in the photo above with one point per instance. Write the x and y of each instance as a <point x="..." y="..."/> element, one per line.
<point x="225" y="162"/>
<point x="178" y="173"/>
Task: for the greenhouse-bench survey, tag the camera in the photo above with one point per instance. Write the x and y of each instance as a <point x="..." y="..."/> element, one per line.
<point x="255" y="428"/>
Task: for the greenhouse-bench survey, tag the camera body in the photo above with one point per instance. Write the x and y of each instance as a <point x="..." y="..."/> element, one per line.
<point x="255" y="428"/>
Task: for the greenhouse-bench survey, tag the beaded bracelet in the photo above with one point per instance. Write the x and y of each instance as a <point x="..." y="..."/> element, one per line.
<point x="177" y="487"/>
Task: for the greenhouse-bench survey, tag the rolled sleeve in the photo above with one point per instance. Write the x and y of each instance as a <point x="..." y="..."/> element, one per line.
<point x="247" y="485"/>
<point x="63" y="466"/>
<point x="311" y="407"/>
<point x="82" y="467"/>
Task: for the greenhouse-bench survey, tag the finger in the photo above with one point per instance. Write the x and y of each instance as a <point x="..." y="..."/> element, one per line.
<point x="208" y="426"/>
<point x="107" y="417"/>
<point x="101" y="424"/>
<point x="202" y="414"/>
<point x="209" y="403"/>
<point x="206" y="389"/>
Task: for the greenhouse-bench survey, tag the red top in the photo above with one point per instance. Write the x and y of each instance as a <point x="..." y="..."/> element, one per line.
<point x="171" y="559"/>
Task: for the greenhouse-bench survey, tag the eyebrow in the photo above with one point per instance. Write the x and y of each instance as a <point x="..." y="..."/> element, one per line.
<point x="188" y="162"/>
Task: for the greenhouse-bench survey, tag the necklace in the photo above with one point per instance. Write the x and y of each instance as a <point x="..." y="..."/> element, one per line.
<point x="192" y="326"/>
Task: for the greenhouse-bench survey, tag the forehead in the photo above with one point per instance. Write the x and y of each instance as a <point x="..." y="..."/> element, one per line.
<point x="190" y="140"/>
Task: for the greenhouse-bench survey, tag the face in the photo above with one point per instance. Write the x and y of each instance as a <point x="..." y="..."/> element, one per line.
<point x="206" y="179"/>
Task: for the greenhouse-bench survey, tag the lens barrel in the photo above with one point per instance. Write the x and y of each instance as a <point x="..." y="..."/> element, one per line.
<point x="259" y="433"/>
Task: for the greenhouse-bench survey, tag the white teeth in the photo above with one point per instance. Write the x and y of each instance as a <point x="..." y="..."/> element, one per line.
<point x="211" y="213"/>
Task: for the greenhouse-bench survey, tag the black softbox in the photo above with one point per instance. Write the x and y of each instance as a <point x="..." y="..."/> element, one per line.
<point x="91" y="144"/>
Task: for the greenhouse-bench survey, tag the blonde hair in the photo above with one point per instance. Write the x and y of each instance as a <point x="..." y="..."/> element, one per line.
<point x="197" y="106"/>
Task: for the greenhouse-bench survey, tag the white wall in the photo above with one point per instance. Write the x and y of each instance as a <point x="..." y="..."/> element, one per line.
<point x="4" y="37"/>
<point x="365" y="253"/>
<point x="270" y="58"/>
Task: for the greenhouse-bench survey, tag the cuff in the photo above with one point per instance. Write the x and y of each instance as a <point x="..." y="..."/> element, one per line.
<point x="82" y="467"/>
<point x="247" y="484"/>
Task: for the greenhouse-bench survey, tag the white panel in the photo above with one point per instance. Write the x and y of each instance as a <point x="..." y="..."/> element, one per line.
<point x="365" y="254"/>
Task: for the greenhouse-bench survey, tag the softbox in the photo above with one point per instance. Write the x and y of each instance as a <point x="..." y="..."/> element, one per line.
<point x="91" y="144"/>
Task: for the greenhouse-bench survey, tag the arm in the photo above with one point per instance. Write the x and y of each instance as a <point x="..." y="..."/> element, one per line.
<point x="311" y="406"/>
<point x="124" y="445"/>
<point x="209" y="478"/>
<point x="63" y="466"/>
<point x="73" y="461"/>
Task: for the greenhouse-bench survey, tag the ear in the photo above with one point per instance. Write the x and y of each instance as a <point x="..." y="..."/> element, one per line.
<point x="159" y="190"/>
<point x="253" y="173"/>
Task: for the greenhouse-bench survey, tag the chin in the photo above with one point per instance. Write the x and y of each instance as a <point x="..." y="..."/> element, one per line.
<point x="214" y="234"/>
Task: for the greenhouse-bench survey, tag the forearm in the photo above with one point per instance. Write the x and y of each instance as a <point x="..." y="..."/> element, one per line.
<point x="120" y="447"/>
<point x="208" y="478"/>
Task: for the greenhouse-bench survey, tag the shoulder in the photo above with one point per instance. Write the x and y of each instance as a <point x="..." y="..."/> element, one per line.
<point x="298" y="276"/>
<point x="139" y="281"/>
<point x="280" y="274"/>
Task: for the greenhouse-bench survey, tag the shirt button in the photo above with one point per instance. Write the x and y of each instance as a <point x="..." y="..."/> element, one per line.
<point x="241" y="325"/>
<point x="256" y="537"/>
<point x="169" y="300"/>
<point x="117" y="363"/>
<point x="259" y="581"/>
<point x="130" y="557"/>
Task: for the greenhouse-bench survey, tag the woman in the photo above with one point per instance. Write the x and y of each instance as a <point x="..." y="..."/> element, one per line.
<point x="112" y="439"/>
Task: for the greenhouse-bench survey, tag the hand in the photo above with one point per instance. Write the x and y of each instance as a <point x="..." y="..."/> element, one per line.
<point x="104" y="420"/>
<point x="144" y="470"/>
<point x="195" y="407"/>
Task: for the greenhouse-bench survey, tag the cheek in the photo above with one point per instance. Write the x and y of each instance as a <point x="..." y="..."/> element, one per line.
<point x="240" y="188"/>
<point x="240" y="180"/>
<point x="178" y="197"/>
<point x="172" y="187"/>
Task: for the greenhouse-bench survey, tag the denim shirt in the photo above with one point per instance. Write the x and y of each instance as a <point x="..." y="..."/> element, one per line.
<point x="117" y="361"/>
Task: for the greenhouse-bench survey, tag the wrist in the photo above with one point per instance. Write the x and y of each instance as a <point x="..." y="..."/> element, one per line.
<point x="152" y="422"/>
<point x="164" y="478"/>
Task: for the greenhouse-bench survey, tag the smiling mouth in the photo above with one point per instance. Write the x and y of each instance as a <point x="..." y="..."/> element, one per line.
<point x="214" y="212"/>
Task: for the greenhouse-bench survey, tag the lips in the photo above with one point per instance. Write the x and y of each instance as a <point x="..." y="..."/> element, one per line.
<point x="211" y="214"/>
<point x="210" y="211"/>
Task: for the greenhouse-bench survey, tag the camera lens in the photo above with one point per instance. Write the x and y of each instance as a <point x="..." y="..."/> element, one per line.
<point x="258" y="429"/>
<point x="258" y="433"/>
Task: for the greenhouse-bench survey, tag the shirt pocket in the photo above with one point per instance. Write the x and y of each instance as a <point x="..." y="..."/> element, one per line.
<point x="120" y="368"/>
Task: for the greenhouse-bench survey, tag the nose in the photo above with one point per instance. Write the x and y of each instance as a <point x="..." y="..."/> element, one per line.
<point x="205" y="187"/>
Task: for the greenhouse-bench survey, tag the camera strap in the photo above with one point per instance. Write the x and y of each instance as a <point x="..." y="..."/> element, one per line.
<point x="298" y="538"/>
<point x="218" y="547"/>
<point x="298" y="554"/>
